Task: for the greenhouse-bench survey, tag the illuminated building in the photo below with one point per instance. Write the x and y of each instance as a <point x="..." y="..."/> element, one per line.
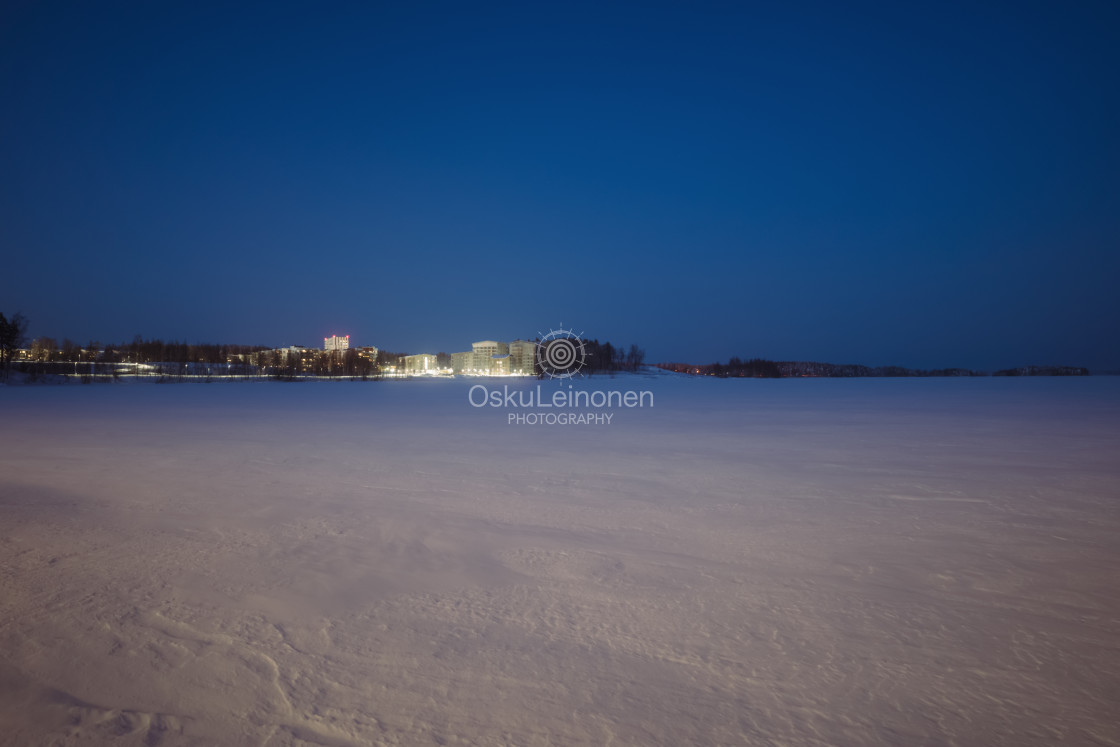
<point x="488" y="348"/>
<point x="334" y="342"/>
<point x="521" y="355"/>
<point x="493" y="358"/>
<point x="462" y="362"/>
<point x="423" y="363"/>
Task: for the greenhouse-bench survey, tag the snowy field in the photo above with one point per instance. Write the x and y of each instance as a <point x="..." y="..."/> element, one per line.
<point x="795" y="562"/>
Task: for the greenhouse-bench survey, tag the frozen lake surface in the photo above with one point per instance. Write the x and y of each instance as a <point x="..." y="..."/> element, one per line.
<point x="804" y="562"/>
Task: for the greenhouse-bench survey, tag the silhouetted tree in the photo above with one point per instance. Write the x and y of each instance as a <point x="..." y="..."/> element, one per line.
<point x="70" y="350"/>
<point x="13" y="332"/>
<point x="634" y="358"/>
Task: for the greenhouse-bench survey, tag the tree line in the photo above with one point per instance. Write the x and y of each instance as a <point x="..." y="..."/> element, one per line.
<point x="761" y="368"/>
<point x="175" y="359"/>
<point x="755" y="368"/>
<point x="603" y="356"/>
<point x="47" y="349"/>
<point x="172" y="360"/>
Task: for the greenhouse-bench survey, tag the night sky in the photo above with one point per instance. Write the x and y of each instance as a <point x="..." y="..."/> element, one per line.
<point x="872" y="183"/>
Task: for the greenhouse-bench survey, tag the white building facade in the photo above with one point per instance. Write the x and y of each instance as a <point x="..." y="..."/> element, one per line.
<point x="494" y="358"/>
<point x="423" y="363"/>
<point x="334" y="342"/>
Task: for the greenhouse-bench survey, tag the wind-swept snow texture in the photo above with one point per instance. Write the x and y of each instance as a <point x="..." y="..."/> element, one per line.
<point x="802" y="562"/>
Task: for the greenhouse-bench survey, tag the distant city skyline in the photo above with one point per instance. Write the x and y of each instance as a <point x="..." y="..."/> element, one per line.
<point x="923" y="186"/>
<point x="521" y="353"/>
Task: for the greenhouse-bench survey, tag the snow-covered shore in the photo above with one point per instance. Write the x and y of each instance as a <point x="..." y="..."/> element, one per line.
<point x="888" y="561"/>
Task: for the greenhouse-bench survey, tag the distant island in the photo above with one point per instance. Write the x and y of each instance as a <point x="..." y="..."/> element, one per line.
<point x="760" y="368"/>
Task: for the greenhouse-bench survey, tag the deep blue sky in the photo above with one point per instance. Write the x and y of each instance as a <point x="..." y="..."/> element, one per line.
<point x="852" y="182"/>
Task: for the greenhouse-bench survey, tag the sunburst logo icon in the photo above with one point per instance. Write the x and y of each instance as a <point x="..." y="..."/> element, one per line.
<point x="561" y="353"/>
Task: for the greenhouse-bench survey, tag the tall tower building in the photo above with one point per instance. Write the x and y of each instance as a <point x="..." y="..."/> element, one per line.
<point x="334" y="342"/>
